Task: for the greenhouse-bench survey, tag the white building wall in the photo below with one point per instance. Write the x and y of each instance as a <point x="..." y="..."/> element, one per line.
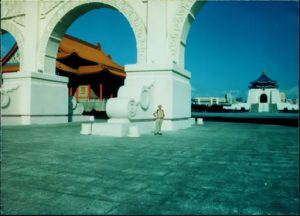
<point x="275" y="95"/>
<point x="254" y="95"/>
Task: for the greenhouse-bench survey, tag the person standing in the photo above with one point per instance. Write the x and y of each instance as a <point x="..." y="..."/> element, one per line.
<point x="159" y="114"/>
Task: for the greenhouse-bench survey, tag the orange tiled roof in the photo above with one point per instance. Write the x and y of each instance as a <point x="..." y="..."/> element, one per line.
<point x="95" y="59"/>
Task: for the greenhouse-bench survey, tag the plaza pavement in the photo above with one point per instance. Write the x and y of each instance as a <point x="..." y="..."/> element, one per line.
<point x="215" y="168"/>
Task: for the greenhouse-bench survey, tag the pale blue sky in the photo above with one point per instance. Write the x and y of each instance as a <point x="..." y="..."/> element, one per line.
<point x="229" y="44"/>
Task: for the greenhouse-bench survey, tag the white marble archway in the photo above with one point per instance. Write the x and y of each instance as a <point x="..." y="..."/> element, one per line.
<point x="68" y="12"/>
<point x="160" y="28"/>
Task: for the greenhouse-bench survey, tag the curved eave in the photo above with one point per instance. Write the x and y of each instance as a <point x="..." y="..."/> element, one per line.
<point x="263" y="86"/>
<point x="65" y="68"/>
<point x="63" y="55"/>
<point x="94" y="69"/>
<point x="10" y="68"/>
<point x="87" y="52"/>
<point x="87" y="70"/>
<point x="264" y="83"/>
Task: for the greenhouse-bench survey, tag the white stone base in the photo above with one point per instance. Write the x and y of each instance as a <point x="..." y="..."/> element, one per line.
<point x="110" y="129"/>
<point x="81" y="118"/>
<point x="133" y="131"/>
<point x="86" y="128"/>
<point x="14" y="120"/>
<point x="135" y="128"/>
<point x="7" y="120"/>
<point x="199" y="121"/>
<point x="28" y="120"/>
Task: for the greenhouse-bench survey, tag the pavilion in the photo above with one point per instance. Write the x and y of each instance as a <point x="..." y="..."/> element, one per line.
<point x="93" y="76"/>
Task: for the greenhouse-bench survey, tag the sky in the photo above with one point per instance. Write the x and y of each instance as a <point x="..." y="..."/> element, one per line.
<point x="229" y="44"/>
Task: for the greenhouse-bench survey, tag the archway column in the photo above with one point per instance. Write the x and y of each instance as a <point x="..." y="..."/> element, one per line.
<point x="157" y="81"/>
<point x="146" y="86"/>
<point x="33" y="97"/>
<point x="31" y="37"/>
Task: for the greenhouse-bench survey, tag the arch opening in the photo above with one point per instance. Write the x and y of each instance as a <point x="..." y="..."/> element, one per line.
<point x="69" y="12"/>
<point x="263" y="98"/>
<point x="94" y="76"/>
<point x="14" y="35"/>
<point x="10" y="53"/>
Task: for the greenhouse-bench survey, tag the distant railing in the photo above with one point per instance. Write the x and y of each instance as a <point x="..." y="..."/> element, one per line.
<point x="93" y="104"/>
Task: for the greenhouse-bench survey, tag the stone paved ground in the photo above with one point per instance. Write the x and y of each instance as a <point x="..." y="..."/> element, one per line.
<point x="215" y="168"/>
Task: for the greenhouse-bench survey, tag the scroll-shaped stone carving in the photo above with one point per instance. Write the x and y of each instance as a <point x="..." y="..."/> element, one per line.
<point x="121" y="108"/>
<point x="5" y="97"/>
<point x="126" y="107"/>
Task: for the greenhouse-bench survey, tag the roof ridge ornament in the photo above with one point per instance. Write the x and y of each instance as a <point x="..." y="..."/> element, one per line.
<point x="98" y="46"/>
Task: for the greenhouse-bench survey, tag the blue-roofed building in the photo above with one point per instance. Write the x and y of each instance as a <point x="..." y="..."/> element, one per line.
<point x="264" y="96"/>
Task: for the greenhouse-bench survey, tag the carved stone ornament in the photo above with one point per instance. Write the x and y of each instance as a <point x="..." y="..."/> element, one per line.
<point x="145" y="97"/>
<point x="19" y="20"/>
<point x="12" y="8"/>
<point x="48" y="6"/>
<point x="5" y="98"/>
<point x="177" y="26"/>
<point x="132" y="107"/>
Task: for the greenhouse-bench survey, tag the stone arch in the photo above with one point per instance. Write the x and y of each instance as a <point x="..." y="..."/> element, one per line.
<point x="263" y="98"/>
<point x="70" y="10"/>
<point x="17" y="34"/>
<point x="181" y="23"/>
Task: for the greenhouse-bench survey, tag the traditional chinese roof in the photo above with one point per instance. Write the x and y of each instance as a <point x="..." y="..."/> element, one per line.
<point x="263" y="82"/>
<point x="75" y="57"/>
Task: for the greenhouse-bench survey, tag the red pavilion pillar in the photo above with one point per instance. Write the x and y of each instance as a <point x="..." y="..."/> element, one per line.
<point x="76" y="93"/>
<point x="101" y="91"/>
<point x="70" y="91"/>
<point x="89" y="92"/>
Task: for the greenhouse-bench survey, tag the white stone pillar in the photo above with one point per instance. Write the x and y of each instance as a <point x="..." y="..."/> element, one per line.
<point x="157" y="32"/>
<point x="31" y="36"/>
<point x="33" y="97"/>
